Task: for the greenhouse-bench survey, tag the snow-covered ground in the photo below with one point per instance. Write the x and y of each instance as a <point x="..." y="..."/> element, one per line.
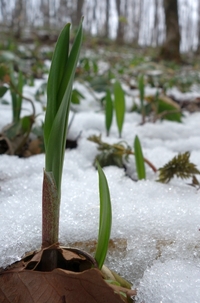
<point x="155" y="228"/>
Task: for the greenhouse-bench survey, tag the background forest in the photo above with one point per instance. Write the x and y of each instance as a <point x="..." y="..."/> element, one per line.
<point x="140" y="22"/>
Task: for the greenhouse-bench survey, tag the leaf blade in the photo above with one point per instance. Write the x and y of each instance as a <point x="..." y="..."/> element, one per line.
<point x="108" y="111"/>
<point x="119" y="102"/>
<point x="139" y="159"/>
<point x="105" y="219"/>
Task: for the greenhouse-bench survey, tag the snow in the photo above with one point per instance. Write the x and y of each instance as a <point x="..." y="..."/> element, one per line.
<point x="156" y="227"/>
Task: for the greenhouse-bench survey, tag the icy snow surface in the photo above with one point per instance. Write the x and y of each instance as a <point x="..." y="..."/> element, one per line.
<point x="155" y="226"/>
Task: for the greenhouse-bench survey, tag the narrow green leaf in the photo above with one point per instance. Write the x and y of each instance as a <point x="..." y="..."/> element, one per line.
<point x="19" y="97"/>
<point x="139" y="159"/>
<point x="58" y="66"/>
<point x="3" y="90"/>
<point x="108" y="111"/>
<point x="141" y="90"/>
<point x="105" y="219"/>
<point x="119" y="102"/>
<point x="55" y="137"/>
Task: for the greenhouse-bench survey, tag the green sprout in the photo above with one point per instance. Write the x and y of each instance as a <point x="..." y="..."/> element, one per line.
<point x="139" y="159"/>
<point x="105" y="219"/>
<point x="59" y="88"/>
<point x="59" y="91"/>
<point x="141" y="90"/>
<point x="108" y="111"/>
<point x="119" y="102"/>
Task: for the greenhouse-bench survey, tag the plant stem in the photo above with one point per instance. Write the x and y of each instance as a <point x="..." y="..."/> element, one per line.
<point x="50" y="213"/>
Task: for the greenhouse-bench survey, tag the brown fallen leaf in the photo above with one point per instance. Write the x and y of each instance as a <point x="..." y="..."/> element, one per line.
<point x="73" y="277"/>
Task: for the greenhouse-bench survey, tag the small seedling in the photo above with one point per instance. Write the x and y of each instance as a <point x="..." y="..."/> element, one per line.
<point x="108" y="111"/>
<point x="180" y="166"/>
<point x="139" y="159"/>
<point x="141" y="90"/>
<point x="119" y="105"/>
<point x="114" y="154"/>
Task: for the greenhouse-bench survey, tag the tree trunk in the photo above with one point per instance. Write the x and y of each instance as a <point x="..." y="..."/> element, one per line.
<point x="44" y="6"/>
<point x="17" y="18"/>
<point x="171" y="48"/>
<point x="156" y="23"/>
<point x="107" y="18"/>
<point x="121" y="23"/>
<point x="198" y="29"/>
<point x="79" y="11"/>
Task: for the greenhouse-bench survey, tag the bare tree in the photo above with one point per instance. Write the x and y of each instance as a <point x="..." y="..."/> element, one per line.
<point x="198" y="28"/>
<point x="107" y="18"/>
<point x="45" y="9"/>
<point x="17" y="18"/>
<point x="121" y="20"/>
<point x="137" y="19"/>
<point x="77" y="12"/>
<point x="156" y="24"/>
<point x="171" y="48"/>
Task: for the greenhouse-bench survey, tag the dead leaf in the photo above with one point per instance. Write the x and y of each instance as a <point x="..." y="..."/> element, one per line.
<point x="73" y="277"/>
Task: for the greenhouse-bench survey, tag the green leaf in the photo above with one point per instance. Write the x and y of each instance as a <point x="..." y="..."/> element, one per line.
<point x="139" y="159"/>
<point x="105" y="219"/>
<point x="56" y="119"/>
<point x="169" y="109"/>
<point x="119" y="102"/>
<point x="58" y="66"/>
<point x="76" y="96"/>
<point x="3" y="90"/>
<point x="108" y="111"/>
<point x="141" y="90"/>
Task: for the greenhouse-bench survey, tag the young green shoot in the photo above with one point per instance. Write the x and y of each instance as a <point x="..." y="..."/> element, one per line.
<point x="105" y="219"/>
<point x="108" y="111"/>
<point x="139" y="159"/>
<point x="59" y="90"/>
<point x="141" y="90"/>
<point x="119" y="103"/>
<point x="16" y="98"/>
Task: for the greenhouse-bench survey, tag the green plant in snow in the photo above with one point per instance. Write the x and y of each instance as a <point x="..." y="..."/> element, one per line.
<point x="180" y="166"/>
<point x="119" y="105"/>
<point x="105" y="219"/>
<point x="14" y="136"/>
<point x="114" y="154"/>
<point x="108" y="111"/>
<point x="59" y="89"/>
<point x="139" y="159"/>
<point x="141" y="87"/>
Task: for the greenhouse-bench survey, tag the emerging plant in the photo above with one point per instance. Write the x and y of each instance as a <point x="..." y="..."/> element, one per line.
<point x="119" y="105"/>
<point x="180" y="166"/>
<point x="114" y="154"/>
<point x="59" y="89"/>
<point x="14" y="136"/>
<point x="108" y="111"/>
<point x="141" y="90"/>
<point x="139" y="159"/>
